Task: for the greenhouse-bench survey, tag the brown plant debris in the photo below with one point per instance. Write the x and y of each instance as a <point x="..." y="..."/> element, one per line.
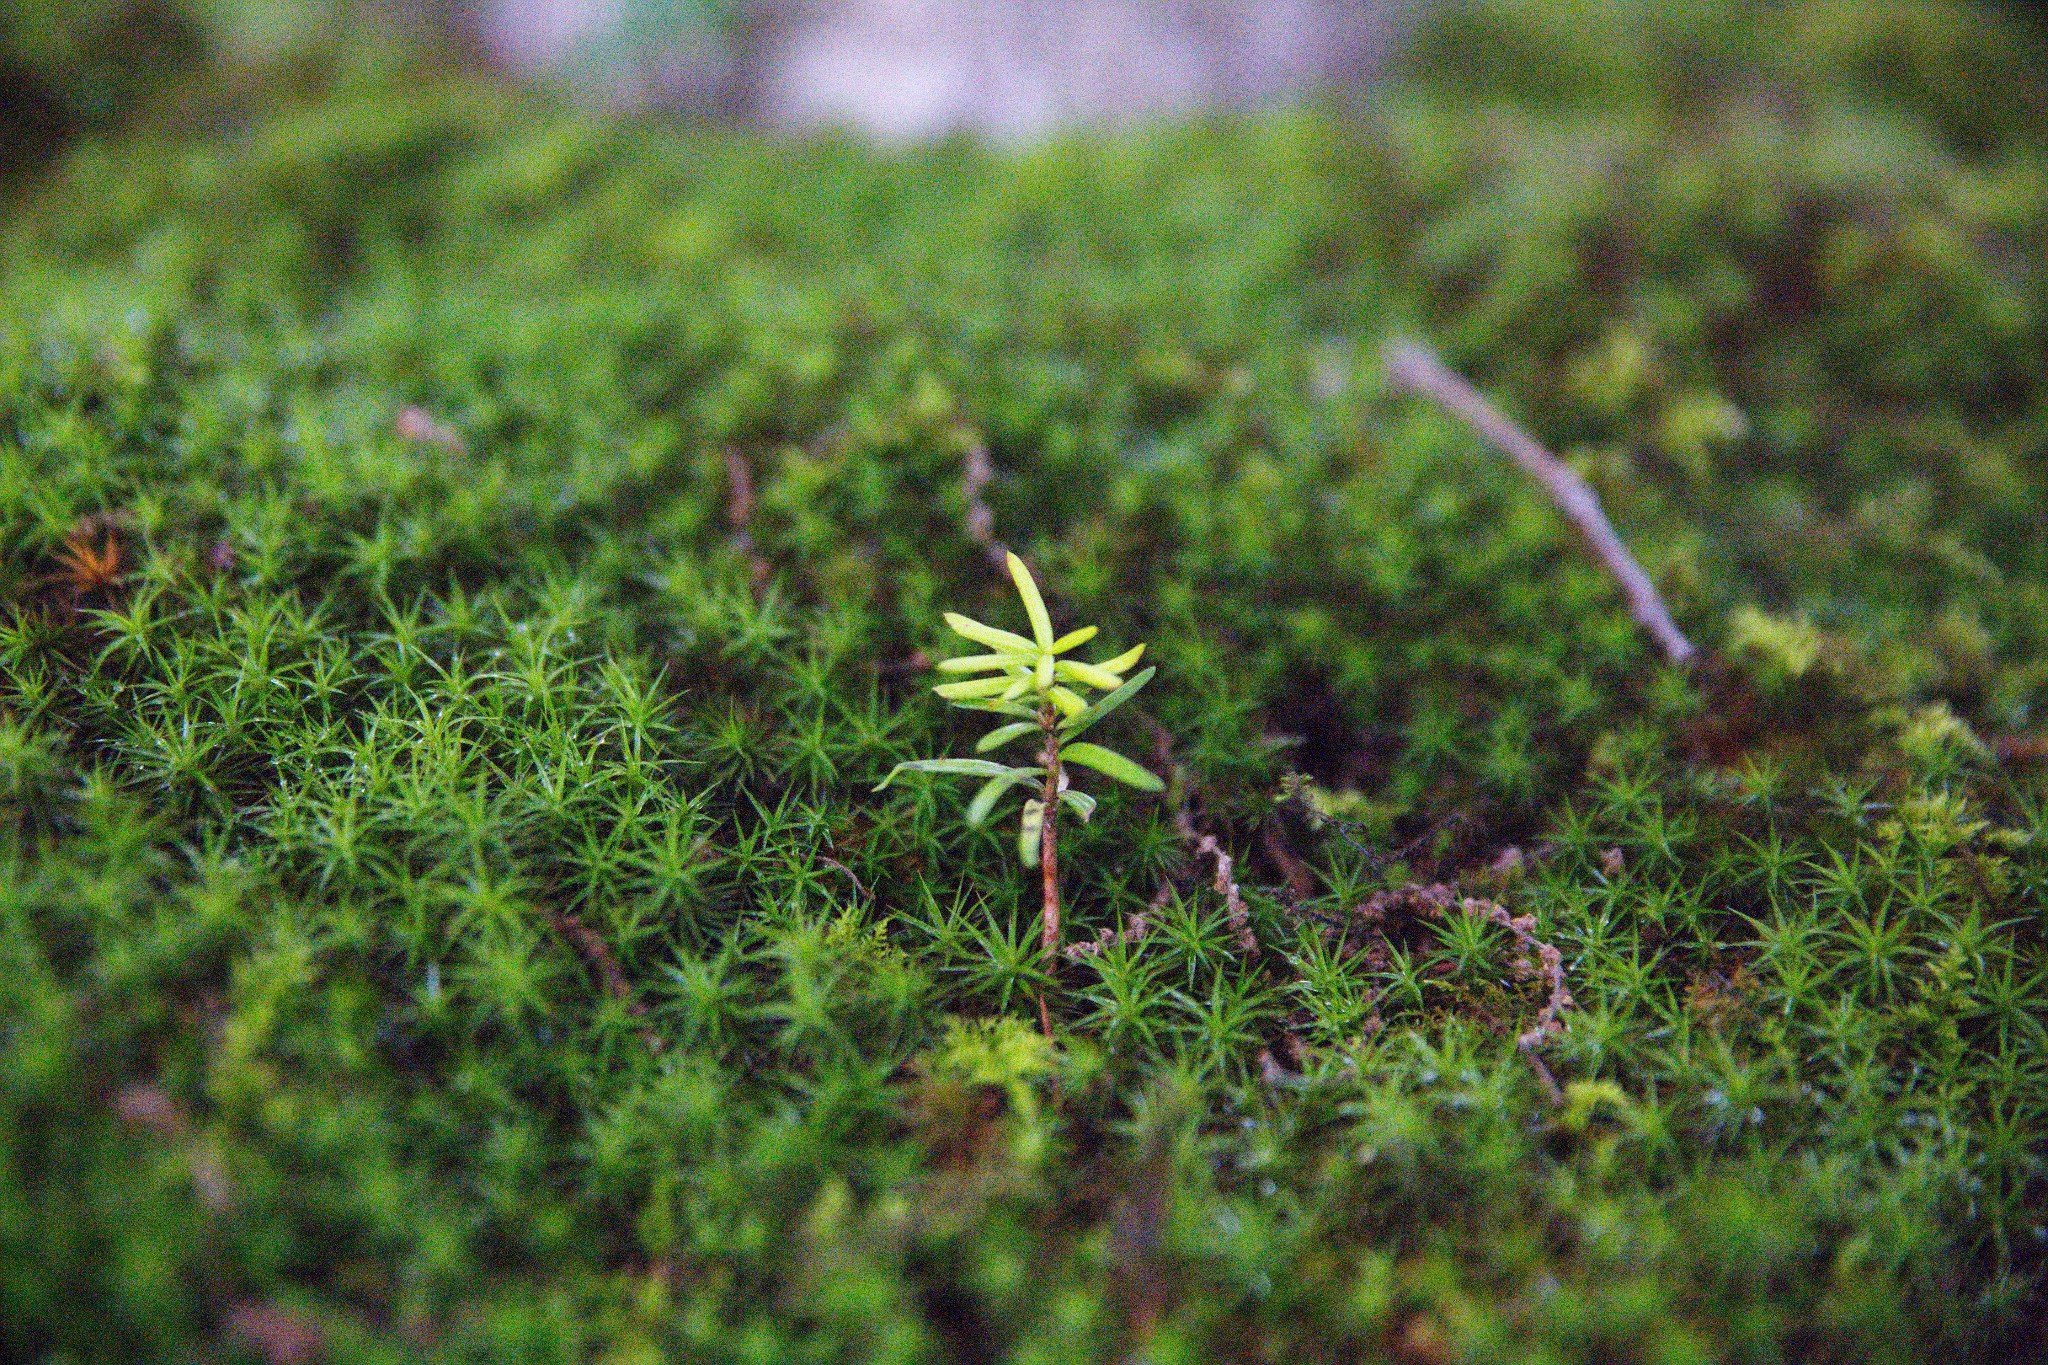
<point x="85" y="569"/>
<point x="739" y="491"/>
<point x="417" y="424"/>
<point x="1201" y="845"/>
<point x="1417" y="370"/>
<point x="2020" y="748"/>
<point x="1538" y="959"/>
<point x="1719" y="999"/>
<point x="278" y="1334"/>
<point x="1132" y="929"/>
<point x="1272" y="1073"/>
<point x="1139" y="1272"/>
<point x="739" y="513"/>
<point x="1301" y="882"/>
<point x="977" y="471"/>
<point x="91" y="562"/>
<point x="1235" y="914"/>
<point x="150" y="1109"/>
<point x="605" y="962"/>
<point x="159" y="1114"/>
<point x="1535" y="960"/>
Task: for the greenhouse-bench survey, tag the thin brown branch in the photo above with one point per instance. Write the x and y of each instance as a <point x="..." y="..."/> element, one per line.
<point x="1538" y="959"/>
<point x="835" y="863"/>
<point x="605" y="962"/>
<point x="739" y="513"/>
<point x="739" y="491"/>
<point x="1551" y="1089"/>
<point x="1416" y="369"/>
<point x="419" y="425"/>
<point x="1234" y="911"/>
<point x="1301" y="882"/>
<point x="976" y="473"/>
<point x="1236" y="914"/>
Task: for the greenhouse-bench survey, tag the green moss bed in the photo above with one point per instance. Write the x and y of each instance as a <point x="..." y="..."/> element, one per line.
<point x="467" y="563"/>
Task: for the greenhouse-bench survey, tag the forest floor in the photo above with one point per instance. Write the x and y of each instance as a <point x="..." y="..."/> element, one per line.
<point x="467" y="566"/>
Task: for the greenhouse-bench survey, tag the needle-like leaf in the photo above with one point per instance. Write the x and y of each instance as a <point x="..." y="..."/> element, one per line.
<point x="970" y="767"/>
<point x="1074" y="726"/>
<point x="1122" y="662"/>
<point x="1000" y="707"/>
<point x="975" y="687"/>
<point x="1112" y="764"/>
<point x="1073" y="638"/>
<point x="1034" y="605"/>
<point x="1003" y="734"/>
<point x="1028" y="830"/>
<point x="989" y="635"/>
<point x="992" y="791"/>
<point x="977" y="663"/>
<point x="1073" y="670"/>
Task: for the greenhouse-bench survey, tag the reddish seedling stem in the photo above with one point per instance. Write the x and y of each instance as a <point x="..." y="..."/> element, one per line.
<point x="1048" y="853"/>
<point x="1048" y="838"/>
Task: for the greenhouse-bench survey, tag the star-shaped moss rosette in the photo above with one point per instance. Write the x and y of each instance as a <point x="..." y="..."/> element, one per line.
<point x="1049" y="696"/>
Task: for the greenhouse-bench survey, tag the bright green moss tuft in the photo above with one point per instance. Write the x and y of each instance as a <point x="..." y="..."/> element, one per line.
<point x="445" y="906"/>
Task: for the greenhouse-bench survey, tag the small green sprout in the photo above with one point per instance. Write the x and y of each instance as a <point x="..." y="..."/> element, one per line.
<point x="1048" y="696"/>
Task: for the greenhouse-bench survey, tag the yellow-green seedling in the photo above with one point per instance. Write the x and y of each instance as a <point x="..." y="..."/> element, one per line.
<point x="1048" y="698"/>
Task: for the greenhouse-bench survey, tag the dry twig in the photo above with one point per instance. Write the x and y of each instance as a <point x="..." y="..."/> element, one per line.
<point x="1205" y="846"/>
<point x="1130" y="932"/>
<point x="1417" y="370"/>
<point x="1301" y="882"/>
<point x="1538" y="959"/>
<point x="739" y="513"/>
<point x="600" y="956"/>
<point x="417" y="424"/>
<point x="1235" y="913"/>
<point x="976" y="473"/>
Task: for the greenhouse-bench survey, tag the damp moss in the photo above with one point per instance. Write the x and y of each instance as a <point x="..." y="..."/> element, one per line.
<point x="446" y="912"/>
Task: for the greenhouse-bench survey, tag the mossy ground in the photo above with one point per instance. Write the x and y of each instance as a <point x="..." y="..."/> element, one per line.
<point x="445" y="914"/>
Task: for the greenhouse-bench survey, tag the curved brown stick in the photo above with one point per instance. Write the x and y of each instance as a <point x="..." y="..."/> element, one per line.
<point x="1416" y="369"/>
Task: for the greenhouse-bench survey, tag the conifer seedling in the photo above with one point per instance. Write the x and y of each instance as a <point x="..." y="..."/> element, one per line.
<point x="1047" y="698"/>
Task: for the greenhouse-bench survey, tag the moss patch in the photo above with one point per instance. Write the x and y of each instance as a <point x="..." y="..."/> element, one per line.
<point x="467" y="566"/>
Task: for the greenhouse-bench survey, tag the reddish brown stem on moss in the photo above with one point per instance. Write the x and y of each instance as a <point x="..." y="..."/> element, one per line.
<point x="606" y="962"/>
<point x="1048" y="838"/>
<point x="1048" y="852"/>
<point x="1416" y="369"/>
<point x="739" y="513"/>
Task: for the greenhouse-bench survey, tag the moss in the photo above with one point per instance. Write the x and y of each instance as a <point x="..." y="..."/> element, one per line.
<point x="446" y="914"/>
